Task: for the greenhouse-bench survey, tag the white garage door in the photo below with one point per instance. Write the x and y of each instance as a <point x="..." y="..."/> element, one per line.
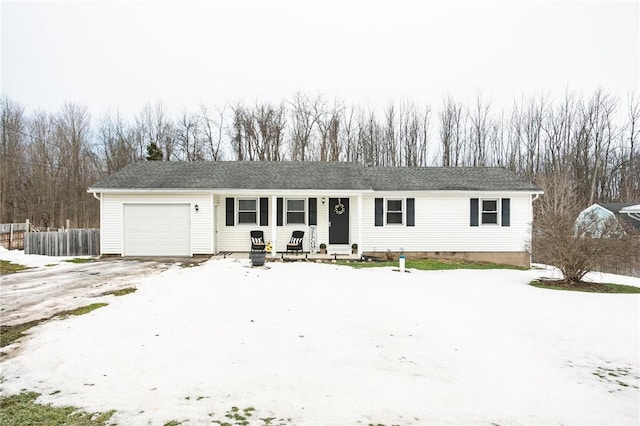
<point x="157" y="230"/>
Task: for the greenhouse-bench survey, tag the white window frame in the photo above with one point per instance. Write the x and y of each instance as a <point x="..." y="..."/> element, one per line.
<point x="401" y="211"/>
<point x="303" y="211"/>
<point x="483" y="211"/>
<point x="257" y="210"/>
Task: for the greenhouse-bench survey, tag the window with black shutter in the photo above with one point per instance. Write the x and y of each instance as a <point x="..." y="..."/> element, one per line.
<point x="379" y="212"/>
<point x="230" y="211"/>
<point x="411" y="212"/>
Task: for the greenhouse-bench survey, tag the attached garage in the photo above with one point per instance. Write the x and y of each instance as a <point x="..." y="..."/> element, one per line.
<point x="157" y="229"/>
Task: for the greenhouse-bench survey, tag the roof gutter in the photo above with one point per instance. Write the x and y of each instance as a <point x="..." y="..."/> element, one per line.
<point x="632" y="211"/>
<point x="329" y="191"/>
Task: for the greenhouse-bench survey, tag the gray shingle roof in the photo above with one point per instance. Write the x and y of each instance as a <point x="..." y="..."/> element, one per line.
<point x="446" y="178"/>
<point x="309" y="175"/>
<point x="622" y="217"/>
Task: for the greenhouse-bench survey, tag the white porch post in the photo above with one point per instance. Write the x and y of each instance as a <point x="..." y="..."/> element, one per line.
<point x="359" y="198"/>
<point x="214" y="225"/>
<point x="274" y="221"/>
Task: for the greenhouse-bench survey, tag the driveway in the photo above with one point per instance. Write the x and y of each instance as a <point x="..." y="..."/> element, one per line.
<point x="42" y="292"/>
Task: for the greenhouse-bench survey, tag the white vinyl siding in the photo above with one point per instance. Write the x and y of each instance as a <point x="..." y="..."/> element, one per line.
<point x="111" y="220"/>
<point x="442" y="224"/>
<point x="236" y="238"/>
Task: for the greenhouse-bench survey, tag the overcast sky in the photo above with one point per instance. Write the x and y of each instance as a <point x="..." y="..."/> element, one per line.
<point x="121" y="55"/>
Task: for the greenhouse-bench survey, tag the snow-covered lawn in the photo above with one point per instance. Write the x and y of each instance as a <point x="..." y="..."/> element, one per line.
<point x="324" y="344"/>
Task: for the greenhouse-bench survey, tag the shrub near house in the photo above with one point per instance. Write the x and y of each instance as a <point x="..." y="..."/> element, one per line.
<point x="580" y="241"/>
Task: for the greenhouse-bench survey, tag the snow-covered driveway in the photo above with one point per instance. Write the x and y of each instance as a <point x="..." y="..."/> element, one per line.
<point x="53" y="285"/>
<point x="323" y="344"/>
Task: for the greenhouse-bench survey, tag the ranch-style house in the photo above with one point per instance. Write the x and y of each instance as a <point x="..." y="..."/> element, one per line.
<point x="156" y="208"/>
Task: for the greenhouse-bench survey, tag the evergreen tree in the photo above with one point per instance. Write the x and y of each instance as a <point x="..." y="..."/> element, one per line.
<point x="153" y="152"/>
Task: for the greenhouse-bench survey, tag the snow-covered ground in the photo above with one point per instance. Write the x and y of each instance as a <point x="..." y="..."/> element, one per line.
<point x="52" y="285"/>
<point x="34" y="260"/>
<point x="324" y="344"/>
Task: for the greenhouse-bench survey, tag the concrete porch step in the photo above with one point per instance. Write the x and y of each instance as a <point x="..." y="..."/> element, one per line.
<point x="339" y="249"/>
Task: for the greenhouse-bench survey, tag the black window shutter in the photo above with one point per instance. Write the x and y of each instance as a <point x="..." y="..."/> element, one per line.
<point x="230" y="210"/>
<point x="506" y="212"/>
<point x="411" y="212"/>
<point x="313" y="211"/>
<point x="474" y="212"/>
<point x="280" y="209"/>
<point x="264" y="211"/>
<point x="379" y="211"/>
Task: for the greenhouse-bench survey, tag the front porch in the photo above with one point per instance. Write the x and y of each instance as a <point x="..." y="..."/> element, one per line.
<point x="292" y="257"/>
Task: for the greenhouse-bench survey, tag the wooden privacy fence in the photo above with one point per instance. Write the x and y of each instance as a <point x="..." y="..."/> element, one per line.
<point x="12" y="235"/>
<point x="70" y="242"/>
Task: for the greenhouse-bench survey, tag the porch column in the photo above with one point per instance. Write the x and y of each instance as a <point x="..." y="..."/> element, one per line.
<point x="274" y="221"/>
<point x="359" y="198"/>
<point x="214" y="224"/>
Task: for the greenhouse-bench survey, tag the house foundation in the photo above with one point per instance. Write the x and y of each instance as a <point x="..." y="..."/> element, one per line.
<point x="519" y="259"/>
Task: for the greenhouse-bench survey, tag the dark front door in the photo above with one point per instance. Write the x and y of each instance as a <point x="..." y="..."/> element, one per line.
<point x="338" y="221"/>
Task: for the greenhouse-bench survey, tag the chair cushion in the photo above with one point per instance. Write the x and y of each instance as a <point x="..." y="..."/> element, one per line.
<point x="295" y="241"/>
<point x="255" y="240"/>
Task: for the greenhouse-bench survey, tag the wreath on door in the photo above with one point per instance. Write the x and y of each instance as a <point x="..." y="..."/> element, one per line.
<point x="339" y="208"/>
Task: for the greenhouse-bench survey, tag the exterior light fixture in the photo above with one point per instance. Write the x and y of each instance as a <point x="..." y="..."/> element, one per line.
<point x="196" y="207"/>
<point x="323" y="201"/>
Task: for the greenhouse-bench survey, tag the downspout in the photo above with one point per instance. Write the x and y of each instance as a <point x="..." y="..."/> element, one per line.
<point x="359" y="198"/>
<point x="274" y="225"/>
<point x="536" y="196"/>
<point x="99" y="199"/>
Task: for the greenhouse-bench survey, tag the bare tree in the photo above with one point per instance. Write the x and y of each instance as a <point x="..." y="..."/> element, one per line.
<point x="557" y="127"/>
<point x="271" y="123"/>
<point x="46" y="172"/>
<point x="236" y="133"/>
<point x="47" y="160"/>
<point x="480" y="127"/>
<point x="258" y="131"/>
<point x="73" y="138"/>
<point x="156" y="128"/>
<point x="327" y="118"/>
<point x="526" y="130"/>
<point x="116" y="142"/>
<point x="451" y="132"/>
<point x="303" y="121"/>
<point x="348" y="134"/>
<point x="423" y="139"/>
<point x="212" y="130"/>
<point x="12" y="160"/>
<point x="188" y="137"/>
<point x="370" y="136"/>
<point x="629" y="157"/>
<point x="412" y="134"/>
